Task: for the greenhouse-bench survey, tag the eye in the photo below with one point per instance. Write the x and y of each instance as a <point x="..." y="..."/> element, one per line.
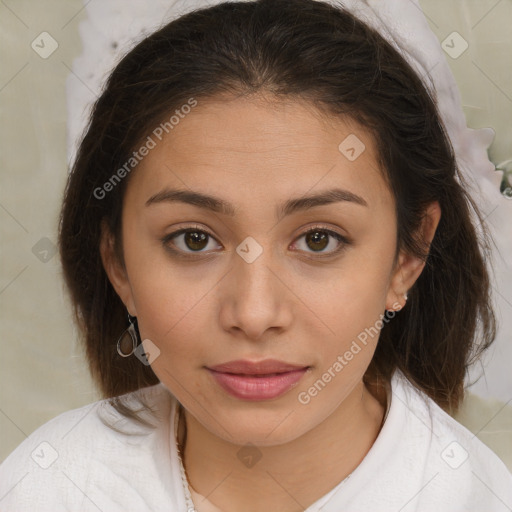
<point x="196" y="240"/>
<point x="188" y="240"/>
<point x="319" y="237"/>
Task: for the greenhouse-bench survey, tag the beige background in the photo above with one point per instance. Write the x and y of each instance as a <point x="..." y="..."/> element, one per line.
<point x="42" y="372"/>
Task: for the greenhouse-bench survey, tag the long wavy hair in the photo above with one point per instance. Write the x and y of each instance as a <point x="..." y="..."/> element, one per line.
<point x="308" y="50"/>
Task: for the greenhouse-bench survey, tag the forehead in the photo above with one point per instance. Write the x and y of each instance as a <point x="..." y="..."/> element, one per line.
<point x="262" y="147"/>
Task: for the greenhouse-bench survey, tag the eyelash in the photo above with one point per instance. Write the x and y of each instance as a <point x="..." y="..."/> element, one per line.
<point x="344" y="241"/>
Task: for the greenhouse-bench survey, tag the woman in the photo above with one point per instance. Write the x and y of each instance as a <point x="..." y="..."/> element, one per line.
<point x="267" y="193"/>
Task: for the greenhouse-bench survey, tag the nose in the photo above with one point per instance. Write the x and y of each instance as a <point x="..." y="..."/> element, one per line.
<point x="255" y="297"/>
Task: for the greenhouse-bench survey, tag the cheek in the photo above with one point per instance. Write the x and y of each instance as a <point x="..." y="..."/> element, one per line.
<point x="178" y="324"/>
<point x="358" y="289"/>
<point x="176" y="310"/>
<point x="175" y="315"/>
<point x="353" y="307"/>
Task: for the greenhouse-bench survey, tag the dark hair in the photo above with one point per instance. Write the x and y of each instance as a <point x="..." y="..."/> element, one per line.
<point x="319" y="53"/>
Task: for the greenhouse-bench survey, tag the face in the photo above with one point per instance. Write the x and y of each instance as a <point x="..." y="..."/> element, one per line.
<point x="268" y="276"/>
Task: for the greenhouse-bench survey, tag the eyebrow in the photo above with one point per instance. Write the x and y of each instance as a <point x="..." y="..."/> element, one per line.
<point x="289" y="207"/>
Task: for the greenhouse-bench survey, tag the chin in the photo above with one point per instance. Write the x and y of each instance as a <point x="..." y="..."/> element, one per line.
<point x="260" y="428"/>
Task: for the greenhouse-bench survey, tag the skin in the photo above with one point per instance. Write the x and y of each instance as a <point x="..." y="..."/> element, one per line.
<point x="291" y="303"/>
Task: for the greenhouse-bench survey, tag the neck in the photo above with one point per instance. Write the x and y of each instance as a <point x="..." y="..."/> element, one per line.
<point x="288" y="477"/>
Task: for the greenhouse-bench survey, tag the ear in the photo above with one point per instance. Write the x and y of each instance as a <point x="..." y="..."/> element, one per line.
<point x="409" y="267"/>
<point x="115" y="269"/>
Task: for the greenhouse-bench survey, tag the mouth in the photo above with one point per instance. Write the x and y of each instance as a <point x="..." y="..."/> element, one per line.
<point x="264" y="380"/>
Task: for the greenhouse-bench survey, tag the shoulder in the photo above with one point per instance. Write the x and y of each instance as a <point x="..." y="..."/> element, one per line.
<point x="54" y="464"/>
<point x="456" y="464"/>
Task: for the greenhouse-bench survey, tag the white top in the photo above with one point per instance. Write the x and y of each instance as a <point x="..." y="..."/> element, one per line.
<point x="423" y="461"/>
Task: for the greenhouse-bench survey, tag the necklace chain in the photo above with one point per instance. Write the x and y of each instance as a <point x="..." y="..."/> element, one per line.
<point x="188" y="498"/>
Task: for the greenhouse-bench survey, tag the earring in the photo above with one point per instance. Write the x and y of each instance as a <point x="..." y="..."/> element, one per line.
<point x="128" y="341"/>
<point x="399" y="307"/>
<point x="405" y="301"/>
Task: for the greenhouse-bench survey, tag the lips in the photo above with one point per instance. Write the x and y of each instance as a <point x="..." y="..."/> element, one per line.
<point x="266" y="367"/>
<point x="263" y="380"/>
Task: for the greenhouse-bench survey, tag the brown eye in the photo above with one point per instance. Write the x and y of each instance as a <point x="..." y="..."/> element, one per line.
<point x="318" y="239"/>
<point x="195" y="240"/>
<point x="188" y="241"/>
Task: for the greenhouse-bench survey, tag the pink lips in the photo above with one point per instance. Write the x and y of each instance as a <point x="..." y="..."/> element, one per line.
<point x="261" y="380"/>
